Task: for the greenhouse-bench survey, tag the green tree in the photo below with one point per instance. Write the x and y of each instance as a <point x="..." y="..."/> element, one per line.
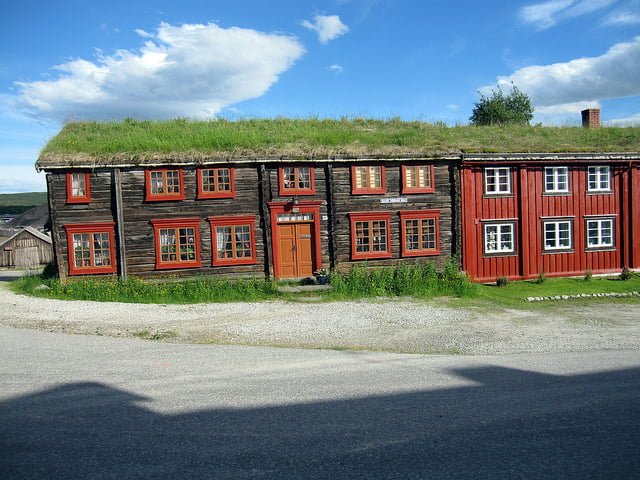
<point x="500" y="108"/>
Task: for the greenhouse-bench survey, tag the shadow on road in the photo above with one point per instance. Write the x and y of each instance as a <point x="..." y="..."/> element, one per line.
<point x="511" y="424"/>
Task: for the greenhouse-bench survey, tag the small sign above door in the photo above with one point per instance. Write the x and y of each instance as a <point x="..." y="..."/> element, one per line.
<point x="394" y="200"/>
<point x="295" y="217"/>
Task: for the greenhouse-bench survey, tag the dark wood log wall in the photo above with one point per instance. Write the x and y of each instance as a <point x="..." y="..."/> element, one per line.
<point x="98" y="210"/>
<point x="138" y="213"/>
<point x="442" y="199"/>
<point x="255" y="186"/>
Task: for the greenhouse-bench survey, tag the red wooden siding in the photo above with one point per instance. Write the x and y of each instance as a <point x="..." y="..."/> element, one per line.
<point x="529" y="206"/>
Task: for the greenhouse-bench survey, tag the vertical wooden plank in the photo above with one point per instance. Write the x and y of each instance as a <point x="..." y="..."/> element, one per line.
<point x="333" y="216"/>
<point x="120" y="237"/>
<point x="523" y="244"/>
<point x="264" y="194"/>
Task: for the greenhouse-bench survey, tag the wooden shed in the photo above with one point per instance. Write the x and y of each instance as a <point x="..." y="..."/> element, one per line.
<point x="28" y="248"/>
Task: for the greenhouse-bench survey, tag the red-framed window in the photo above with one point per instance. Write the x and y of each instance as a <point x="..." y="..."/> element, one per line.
<point x="296" y="180"/>
<point x="91" y="248"/>
<point x="233" y="240"/>
<point x="368" y="179"/>
<point x="417" y="179"/>
<point x="218" y="182"/>
<point x="164" y="184"/>
<point x="420" y="233"/>
<point x="370" y="235"/>
<point x="78" y="187"/>
<point x="177" y="243"/>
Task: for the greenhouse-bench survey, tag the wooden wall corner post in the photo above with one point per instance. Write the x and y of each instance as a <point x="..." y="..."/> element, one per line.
<point x="455" y="180"/>
<point x="331" y="212"/>
<point x="264" y="195"/>
<point x="55" y="232"/>
<point x="122" y="254"/>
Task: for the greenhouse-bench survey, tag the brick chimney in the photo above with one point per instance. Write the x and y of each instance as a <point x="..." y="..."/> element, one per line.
<point x="591" y="118"/>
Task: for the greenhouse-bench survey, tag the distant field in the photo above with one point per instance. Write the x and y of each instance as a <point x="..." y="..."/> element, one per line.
<point x="23" y="199"/>
<point x="17" y="203"/>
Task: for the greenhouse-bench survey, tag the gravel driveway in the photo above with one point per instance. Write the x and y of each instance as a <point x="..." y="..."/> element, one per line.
<point x="391" y="325"/>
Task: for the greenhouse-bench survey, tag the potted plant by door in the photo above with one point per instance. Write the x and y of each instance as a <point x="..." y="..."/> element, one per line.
<point x="322" y="276"/>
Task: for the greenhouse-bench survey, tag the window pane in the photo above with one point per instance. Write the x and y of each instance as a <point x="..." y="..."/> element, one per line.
<point x="224" y="180"/>
<point x="428" y="234"/>
<point x="362" y="237"/>
<point x="78" y="185"/>
<point x="412" y="235"/>
<point x="208" y="180"/>
<point x="224" y="247"/>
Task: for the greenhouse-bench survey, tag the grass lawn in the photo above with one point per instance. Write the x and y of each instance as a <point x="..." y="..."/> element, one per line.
<point x="418" y="282"/>
<point x="513" y="294"/>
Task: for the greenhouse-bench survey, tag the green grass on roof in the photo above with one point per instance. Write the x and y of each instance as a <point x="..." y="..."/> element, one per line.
<point x="283" y="136"/>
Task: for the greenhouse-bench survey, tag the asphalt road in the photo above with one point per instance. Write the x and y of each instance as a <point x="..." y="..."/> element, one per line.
<point x="75" y="406"/>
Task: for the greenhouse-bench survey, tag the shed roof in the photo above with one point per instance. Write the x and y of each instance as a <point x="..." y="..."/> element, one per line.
<point x="131" y="142"/>
<point x="32" y="231"/>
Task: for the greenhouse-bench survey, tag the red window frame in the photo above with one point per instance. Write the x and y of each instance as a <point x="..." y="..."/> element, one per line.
<point x="408" y="189"/>
<point x="370" y="217"/>
<point x="90" y="229"/>
<point x="176" y="224"/>
<point x="296" y="190"/>
<point x="420" y="215"/>
<point x="355" y="190"/>
<point x="71" y="198"/>
<point x="233" y="222"/>
<point x="217" y="193"/>
<point x="150" y="196"/>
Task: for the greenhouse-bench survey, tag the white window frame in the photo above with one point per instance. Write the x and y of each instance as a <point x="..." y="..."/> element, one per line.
<point x="496" y="187"/>
<point x="556" y="231"/>
<point x="494" y="246"/>
<point x="601" y="176"/>
<point x="599" y="223"/>
<point x="555" y="176"/>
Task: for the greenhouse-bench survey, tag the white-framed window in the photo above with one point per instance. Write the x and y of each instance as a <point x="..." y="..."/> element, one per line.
<point x="556" y="179"/>
<point x="599" y="179"/>
<point x="599" y="232"/>
<point x="499" y="238"/>
<point x="497" y="180"/>
<point x="557" y="234"/>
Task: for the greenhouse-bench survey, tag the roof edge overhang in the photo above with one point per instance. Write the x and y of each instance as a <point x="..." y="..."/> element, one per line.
<point x="82" y="161"/>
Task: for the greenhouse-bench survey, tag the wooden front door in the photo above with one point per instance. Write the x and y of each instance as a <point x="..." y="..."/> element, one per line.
<point x="295" y="246"/>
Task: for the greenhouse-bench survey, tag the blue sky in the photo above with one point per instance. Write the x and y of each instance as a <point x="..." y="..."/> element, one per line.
<point x="424" y="60"/>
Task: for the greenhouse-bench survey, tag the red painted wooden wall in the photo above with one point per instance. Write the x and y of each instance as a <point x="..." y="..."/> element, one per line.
<point x="528" y="206"/>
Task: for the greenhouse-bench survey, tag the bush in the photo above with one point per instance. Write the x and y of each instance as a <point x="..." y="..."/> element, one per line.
<point x="541" y="278"/>
<point x="502" y="281"/>
<point x="626" y="274"/>
<point x="588" y="275"/>
<point x="420" y="280"/>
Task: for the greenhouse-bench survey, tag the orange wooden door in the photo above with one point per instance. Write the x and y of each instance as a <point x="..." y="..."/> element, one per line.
<point x="295" y="247"/>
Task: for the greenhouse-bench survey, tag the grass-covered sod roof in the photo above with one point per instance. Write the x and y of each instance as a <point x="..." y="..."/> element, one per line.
<point x="134" y="141"/>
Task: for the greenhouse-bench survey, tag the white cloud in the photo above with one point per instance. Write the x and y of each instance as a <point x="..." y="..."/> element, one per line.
<point x="622" y="18"/>
<point x="560" y="87"/>
<point x="335" y="68"/>
<point x="190" y="70"/>
<point x="632" y="121"/>
<point x="547" y="14"/>
<point x="328" y="27"/>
